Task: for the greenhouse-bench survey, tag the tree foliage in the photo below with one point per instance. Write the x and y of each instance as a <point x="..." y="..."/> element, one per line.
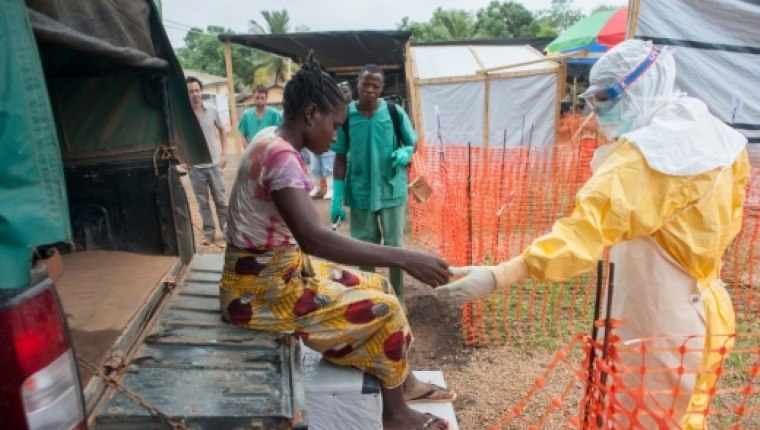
<point x="504" y="20"/>
<point x="203" y="51"/>
<point x="277" y="22"/>
<point x="602" y="8"/>
<point x="269" y="68"/>
<point x="444" y="25"/>
<point x="561" y="15"/>
<point x="498" y="20"/>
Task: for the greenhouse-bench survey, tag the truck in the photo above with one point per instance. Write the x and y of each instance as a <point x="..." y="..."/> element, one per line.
<point x="95" y="120"/>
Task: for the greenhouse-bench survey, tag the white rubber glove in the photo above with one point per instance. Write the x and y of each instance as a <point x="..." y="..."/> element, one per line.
<point x="480" y="281"/>
<point x="511" y="272"/>
<point x="476" y="282"/>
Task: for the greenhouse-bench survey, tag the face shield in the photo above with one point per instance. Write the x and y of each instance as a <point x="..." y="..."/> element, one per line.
<point x="629" y="81"/>
<point x="601" y="99"/>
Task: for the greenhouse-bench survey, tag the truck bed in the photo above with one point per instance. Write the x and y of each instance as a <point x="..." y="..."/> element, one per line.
<point x="209" y="374"/>
<point x="102" y="293"/>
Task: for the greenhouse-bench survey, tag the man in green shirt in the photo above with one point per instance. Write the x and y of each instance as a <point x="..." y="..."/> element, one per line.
<point x="258" y="117"/>
<point x="374" y="181"/>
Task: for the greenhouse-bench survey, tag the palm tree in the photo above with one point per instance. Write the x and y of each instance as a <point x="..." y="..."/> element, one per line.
<point x="272" y="69"/>
<point x="269" y="68"/>
<point x="452" y="25"/>
<point x="276" y="21"/>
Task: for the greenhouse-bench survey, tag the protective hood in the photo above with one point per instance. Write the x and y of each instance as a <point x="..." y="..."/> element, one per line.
<point x="676" y="134"/>
<point x="683" y="138"/>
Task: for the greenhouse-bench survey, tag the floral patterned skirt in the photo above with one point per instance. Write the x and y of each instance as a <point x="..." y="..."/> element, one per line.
<point x="353" y="318"/>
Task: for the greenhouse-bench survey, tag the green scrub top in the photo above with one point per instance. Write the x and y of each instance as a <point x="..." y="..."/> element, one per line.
<point x="250" y="124"/>
<point x="371" y="182"/>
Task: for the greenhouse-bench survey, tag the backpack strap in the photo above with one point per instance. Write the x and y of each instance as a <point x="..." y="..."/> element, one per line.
<point x="345" y="125"/>
<point x="395" y="119"/>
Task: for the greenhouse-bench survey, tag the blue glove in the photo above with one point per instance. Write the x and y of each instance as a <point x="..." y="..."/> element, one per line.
<point x="401" y="156"/>
<point x="336" y="205"/>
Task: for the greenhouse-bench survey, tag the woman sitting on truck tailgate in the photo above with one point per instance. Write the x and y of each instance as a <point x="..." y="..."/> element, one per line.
<point x="271" y="282"/>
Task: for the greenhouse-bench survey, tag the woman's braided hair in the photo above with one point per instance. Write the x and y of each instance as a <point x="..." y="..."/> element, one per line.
<point x="311" y="85"/>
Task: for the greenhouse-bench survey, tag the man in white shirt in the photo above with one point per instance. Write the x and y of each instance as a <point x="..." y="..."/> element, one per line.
<point x="205" y="177"/>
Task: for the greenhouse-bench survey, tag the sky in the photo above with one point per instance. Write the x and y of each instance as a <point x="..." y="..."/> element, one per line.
<point x="324" y="15"/>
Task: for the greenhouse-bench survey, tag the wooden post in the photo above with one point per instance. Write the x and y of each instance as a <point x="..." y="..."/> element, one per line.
<point x="411" y="92"/>
<point x="561" y="82"/>
<point x="633" y="18"/>
<point x="231" y="97"/>
<point x="287" y="62"/>
<point x="486" y="102"/>
<point x="575" y="92"/>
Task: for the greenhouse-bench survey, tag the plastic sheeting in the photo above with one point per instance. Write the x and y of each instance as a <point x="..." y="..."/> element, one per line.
<point x="447" y="61"/>
<point x="521" y="100"/>
<point x="461" y="109"/>
<point x="524" y="107"/>
<point x="115" y="84"/>
<point x="33" y="206"/>
<point x="713" y="64"/>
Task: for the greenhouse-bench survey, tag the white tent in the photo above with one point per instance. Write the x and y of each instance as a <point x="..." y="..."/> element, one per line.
<point x="484" y="92"/>
<point x="717" y="52"/>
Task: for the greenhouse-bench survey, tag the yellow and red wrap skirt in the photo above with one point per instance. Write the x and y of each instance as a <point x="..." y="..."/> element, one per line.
<point x="353" y="318"/>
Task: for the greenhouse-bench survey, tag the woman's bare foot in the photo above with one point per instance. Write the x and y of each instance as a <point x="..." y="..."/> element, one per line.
<point x="397" y="415"/>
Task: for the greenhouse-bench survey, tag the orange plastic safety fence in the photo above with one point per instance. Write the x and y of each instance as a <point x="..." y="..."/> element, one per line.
<point x="644" y="384"/>
<point x="488" y="204"/>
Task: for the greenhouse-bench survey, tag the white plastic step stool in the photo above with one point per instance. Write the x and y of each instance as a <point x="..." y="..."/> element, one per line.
<point x="344" y="398"/>
<point x="340" y="397"/>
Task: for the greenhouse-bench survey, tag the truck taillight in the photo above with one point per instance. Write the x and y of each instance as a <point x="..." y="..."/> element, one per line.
<point x="51" y="396"/>
<point x="40" y="386"/>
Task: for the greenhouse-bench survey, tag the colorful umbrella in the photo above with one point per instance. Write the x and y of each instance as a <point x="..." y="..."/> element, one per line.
<point x="596" y="33"/>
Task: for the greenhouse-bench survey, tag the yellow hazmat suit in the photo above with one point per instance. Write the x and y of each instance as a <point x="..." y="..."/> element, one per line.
<point x="667" y="198"/>
<point x="692" y="218"/>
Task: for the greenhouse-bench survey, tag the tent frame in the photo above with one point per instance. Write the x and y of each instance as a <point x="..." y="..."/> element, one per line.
<point x="484" y="75"/>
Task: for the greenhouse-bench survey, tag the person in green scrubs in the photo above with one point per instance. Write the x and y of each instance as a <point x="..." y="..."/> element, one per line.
<point x="258" y="117"/>
<point x="370" y="169"/>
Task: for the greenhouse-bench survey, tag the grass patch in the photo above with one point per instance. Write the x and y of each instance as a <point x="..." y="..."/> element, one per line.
<point x="534" y="314"/>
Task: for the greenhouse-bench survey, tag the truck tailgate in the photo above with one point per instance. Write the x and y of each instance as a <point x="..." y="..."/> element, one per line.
<point x="209" y="374"/>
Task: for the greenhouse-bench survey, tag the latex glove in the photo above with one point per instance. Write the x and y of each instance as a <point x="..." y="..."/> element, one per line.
<point x="401" y="156"/>
<point x="476" y="282"/>
<point x="336" y="205"/>
<point x="511" y="272"/>
<point x="480" y="281"/>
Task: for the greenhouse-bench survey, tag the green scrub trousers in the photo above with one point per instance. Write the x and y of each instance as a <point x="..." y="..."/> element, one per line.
<point x="386" y="224"/>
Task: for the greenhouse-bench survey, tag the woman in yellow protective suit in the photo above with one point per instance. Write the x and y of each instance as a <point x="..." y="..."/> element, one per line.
<point x="667" y="197"/>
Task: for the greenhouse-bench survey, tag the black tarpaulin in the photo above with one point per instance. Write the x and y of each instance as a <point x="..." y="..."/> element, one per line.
<point x="333" y="49"/>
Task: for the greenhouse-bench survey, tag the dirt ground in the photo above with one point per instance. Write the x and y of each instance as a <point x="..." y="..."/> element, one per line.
<point x="488" y="381"/>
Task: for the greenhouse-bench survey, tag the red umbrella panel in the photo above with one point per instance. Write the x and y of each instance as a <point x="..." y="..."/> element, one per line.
<point x="614" y="30"/>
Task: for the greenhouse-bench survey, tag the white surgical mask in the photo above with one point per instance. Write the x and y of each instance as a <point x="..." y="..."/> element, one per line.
<point x="612" y="122"/>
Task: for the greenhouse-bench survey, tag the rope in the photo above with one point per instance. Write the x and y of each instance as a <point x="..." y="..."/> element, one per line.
<point x="132" y="396"/>
<point x="164" y="152"/>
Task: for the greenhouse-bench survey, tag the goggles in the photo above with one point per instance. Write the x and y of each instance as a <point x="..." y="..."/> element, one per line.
<point x="612" y="94"/>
